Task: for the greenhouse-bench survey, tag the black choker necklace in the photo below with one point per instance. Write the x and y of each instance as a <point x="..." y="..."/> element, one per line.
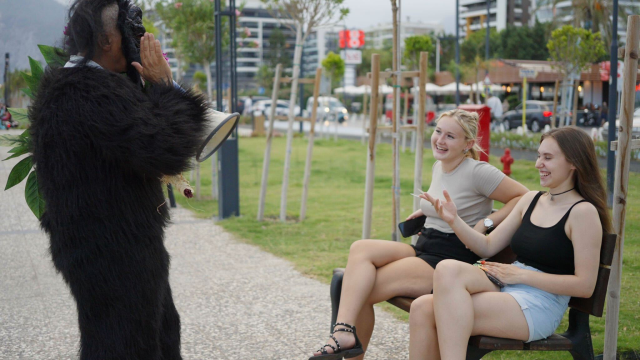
<point x="564" y="192"/>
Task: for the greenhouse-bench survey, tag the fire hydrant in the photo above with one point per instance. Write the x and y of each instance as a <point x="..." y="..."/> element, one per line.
<point x="506" y="161"/>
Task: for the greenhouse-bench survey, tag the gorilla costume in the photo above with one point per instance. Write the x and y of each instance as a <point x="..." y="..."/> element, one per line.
<point x="101" y="144"/>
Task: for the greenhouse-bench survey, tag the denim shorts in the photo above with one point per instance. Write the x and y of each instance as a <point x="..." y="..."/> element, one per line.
<point x="543" y="310"/>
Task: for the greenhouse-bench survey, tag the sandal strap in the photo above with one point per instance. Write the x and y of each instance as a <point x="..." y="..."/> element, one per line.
<point x="346" y="325"/>
<point x="344" y="330"/>
<point x="337" y="344"/>
<point x="323" y="351"/>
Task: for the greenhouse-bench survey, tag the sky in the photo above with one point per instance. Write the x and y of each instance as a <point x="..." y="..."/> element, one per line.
<point x="367" y="13"/>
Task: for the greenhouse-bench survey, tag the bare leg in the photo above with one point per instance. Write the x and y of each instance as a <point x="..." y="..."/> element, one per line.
<point x="423" y="336"/>
<point x="455" y="312"/>
<point x="377" y="270"/>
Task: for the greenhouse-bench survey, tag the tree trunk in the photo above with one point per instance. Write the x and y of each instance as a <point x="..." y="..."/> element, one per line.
<point x="554" y="116"/>
<point x="394" y="137"/>
<point x="292" y="105"/>
<point x="574" y="118"/>
<point x="207" y="71"/>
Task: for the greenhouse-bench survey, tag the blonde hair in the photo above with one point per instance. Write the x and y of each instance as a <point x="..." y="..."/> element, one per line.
<point x="468" y="121"/>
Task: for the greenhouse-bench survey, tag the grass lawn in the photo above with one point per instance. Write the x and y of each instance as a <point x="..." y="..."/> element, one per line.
<point x="334" y="216"/>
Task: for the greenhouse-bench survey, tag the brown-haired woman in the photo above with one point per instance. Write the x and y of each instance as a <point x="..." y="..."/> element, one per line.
<point x="378" y="270"/>
<point x="561" y="258"/>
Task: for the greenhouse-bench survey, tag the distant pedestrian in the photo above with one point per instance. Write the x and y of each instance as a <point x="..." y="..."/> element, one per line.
<point x="496" y="107"/>
<point x="604" y="113"/>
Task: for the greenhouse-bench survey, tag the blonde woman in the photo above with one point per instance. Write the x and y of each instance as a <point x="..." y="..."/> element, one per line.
<point x="378" y="270"/>
<point x="556" y="236"/>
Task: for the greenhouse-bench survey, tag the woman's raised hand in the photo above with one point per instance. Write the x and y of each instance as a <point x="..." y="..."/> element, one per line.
<point x="154" y="67"/>
<point x="446" y="209"/>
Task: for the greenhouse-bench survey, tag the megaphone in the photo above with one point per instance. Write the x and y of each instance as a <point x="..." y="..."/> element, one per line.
<point x="219" y="127"/>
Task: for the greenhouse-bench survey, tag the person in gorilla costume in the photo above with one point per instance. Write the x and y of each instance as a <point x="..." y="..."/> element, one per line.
<point x="101" y="143"/>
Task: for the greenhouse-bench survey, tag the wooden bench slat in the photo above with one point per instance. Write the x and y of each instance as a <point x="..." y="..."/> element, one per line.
<point x="554" y="342"/>
<point x="403" y="303"/>
<point x="494" y="343"/>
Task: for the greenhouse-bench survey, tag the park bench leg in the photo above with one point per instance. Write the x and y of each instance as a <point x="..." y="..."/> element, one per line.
<point x="336" y="290"/>
<point x="580" y="335"/>
<point x="474" y="353"/>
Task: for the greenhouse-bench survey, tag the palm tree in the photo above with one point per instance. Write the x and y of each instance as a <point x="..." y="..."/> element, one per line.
<point x="593" y="15"/>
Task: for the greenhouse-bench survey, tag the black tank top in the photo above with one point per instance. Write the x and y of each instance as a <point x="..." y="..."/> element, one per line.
<point x="546" y="248"/>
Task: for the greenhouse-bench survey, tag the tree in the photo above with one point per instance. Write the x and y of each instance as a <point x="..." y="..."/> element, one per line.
<point x="592" y="15"/>
<point x="365" y="67"/>
<point x="334" y="65"/>
<point x="303" y="16"/>
<point x="474" y="46"/>
<point x="264" y="76"/>
<point x="413" y="46"/>
<point x="193" y="31"/>
<point x="278" y="50"/>
<point x="572" y="50"/>
<point x="525" y="43"/>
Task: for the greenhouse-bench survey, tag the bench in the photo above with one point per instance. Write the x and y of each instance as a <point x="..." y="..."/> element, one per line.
<point x="577" y="338"/>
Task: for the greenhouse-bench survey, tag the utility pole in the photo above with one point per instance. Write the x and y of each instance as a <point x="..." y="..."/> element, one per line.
<point x="7" y="91"/>
<point x="486" y="51"/>
<point x="457" y="53"/>
<point x="613" y="103"/>
<point x="228" y="179"/>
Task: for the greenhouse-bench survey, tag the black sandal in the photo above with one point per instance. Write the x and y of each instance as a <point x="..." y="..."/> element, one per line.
<point x="338" y="353"/>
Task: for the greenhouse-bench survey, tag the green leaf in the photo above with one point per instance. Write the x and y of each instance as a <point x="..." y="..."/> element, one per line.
<point x="11" y="140"/>
<point x="19" y="114"/>
<point x="53" y="56"/>
<point x="28" y="92"/>
<point x="33" y="195"/>
<point x="36" y="70"/>
<point x="18" y="151"/>
<point x="32" y="83"/>
<point x="19" y="172"/>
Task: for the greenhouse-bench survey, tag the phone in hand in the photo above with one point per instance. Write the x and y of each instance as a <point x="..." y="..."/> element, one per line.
<point x="412" y="227"/>
<point x="492" y="278"/>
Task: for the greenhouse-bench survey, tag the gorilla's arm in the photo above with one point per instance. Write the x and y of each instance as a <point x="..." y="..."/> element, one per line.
<point x="156" y="133"/>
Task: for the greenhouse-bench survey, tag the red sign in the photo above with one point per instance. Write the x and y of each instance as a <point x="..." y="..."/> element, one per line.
<point x="352" y="39"/>
<point x="605" y="69"/>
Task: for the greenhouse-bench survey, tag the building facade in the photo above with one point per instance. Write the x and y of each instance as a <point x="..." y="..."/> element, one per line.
<point x="381" y="35"/>
<point x="473" y="14"/>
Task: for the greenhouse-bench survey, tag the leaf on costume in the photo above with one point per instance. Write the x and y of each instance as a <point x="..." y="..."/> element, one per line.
<point x="18" y="151"/>
<point x="19" y="114"/>
<point x="53" y="56"/>
<point x="28" y="92"/>
<point x="19" y="172"/>
<point x="11" y="140"/>
<point x="36" y="70"/>
<point x="32" y="83"/>
<point x="33" y="195"/>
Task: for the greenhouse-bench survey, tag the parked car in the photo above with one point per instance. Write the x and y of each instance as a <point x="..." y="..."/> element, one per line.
<point x="263" y="108"/>
<point x="635" y="130"/>
<point x="538" y="116"/>
<point x="329" y="108"/>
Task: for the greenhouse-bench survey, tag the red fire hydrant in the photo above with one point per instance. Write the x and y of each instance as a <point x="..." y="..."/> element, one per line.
<point x="506" y="161"/>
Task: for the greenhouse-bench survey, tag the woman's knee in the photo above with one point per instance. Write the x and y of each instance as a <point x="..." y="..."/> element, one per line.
<point x="421" y="312"/>
<point x="362" y="248"/>
<point x="448" y="272"/>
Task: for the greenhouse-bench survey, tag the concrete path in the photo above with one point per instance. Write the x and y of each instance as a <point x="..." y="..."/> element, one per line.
<point x="235" y="300"/>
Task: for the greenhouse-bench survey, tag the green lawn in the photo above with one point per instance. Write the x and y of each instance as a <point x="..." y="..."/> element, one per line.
<point x="334" y="216"/>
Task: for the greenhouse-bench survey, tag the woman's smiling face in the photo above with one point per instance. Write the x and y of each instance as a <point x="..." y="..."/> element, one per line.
<point x="553" y="167"/>
<point x="447" y="141"/>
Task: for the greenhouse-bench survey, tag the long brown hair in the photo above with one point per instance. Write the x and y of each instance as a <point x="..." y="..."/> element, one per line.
<point x="579" y="150"/>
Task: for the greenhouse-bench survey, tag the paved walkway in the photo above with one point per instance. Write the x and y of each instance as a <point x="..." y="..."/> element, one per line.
<point x="235" y="300"/>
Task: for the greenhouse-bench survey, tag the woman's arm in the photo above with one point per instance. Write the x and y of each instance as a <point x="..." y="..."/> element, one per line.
<point x="509" y="193"/>
<point x="585" y="232"/>
<point x="482" y="245"/>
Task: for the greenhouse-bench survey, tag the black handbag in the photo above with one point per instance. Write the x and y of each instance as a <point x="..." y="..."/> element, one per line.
<point x="412" y="227"/>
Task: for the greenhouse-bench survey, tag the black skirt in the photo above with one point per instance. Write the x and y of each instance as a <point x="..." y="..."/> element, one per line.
<point x="434" y="246"/>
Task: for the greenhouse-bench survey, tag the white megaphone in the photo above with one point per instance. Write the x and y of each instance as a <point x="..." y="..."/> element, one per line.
<point x="218" y="128"/>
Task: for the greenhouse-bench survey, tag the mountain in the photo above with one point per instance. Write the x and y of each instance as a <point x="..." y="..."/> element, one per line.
<point x="26" y="23"/>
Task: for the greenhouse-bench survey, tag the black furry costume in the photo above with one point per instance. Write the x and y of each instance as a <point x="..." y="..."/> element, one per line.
<point x="100" y="146"/>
